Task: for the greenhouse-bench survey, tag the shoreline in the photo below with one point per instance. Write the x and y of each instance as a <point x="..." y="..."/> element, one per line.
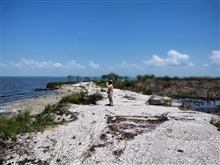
<point x="37" y="105"/>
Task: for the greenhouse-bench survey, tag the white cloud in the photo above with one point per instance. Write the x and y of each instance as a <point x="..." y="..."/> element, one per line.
<point x="35" y="64"/>
<point x="174" y="58"/>
<point x="3" y="65"/>
<point x="73" y="64"/>
<point x="215" y="57"/>
<point x="136" y="66"/>
<point x="45" y="64"/>
<point x="156" y="60"/>
<point x="93" y="65"/>
<point x="124" y="64"/>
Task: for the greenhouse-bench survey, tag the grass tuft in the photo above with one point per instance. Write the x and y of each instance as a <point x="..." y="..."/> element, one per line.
<point x="23" y="122"/>
<point x="81" y="98"/>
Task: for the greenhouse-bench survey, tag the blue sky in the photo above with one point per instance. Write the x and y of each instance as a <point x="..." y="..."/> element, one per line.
<point x="92" y="38"/>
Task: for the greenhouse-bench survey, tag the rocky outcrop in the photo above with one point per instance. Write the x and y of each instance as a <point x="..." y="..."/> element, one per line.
<point x="159" y="100"/>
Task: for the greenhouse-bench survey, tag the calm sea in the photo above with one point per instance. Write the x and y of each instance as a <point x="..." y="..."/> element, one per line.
<point x="21" y="88"/>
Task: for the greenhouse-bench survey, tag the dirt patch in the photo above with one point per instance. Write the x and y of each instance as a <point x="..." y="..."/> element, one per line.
<point x="118" y="152"/>
<point x="124" y="128"/>
<point x="127" y="127"/>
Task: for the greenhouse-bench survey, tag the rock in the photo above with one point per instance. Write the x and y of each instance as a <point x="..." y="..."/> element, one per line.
<point x="159" y="100"/>
<point x="216" y="122"/>
<point x="103" y="90"/>
<point x="40" y="89"/>
<point x="14" y="111"/>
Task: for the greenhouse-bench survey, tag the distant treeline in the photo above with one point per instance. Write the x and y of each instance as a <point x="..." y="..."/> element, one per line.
<point x="117" y="77"/>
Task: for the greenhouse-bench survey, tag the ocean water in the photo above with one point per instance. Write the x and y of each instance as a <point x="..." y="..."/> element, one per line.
<point x="20" y="88"/>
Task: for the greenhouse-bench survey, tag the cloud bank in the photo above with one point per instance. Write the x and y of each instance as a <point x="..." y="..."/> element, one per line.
<point x="24" y="63"/>
<point x="174" y="59"/>
<point x="124" y="64"/>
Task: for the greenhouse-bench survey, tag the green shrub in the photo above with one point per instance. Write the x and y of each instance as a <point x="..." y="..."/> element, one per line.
<point x="53" y="85"/>
<point x="75" y="98"/>
<point x="10" y="126"/>
<point x="81" y="98"/>
<point x="101" y="84"/>
<point x="41" y="121"/>
<point x="58" y="109"/>
<point x="92" y="99"/>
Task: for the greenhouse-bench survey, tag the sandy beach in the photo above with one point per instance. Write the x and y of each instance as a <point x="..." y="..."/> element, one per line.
<point x="128" y="133"/>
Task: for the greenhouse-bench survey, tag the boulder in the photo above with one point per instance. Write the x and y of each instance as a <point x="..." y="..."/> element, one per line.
<point x="159" y="100"/>
<point x="216" y="122"/>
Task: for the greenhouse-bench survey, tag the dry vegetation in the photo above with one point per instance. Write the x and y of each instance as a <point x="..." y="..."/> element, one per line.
<point x="202" y="88"/>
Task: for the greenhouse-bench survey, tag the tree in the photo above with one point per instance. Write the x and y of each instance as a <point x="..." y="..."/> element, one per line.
<point x="126" y="77"/>
<point x="87" y="79"/>
<point x="70" y="78"/>
<point x="145" y="77"/>
<point x="104" y="77"/>
<point x="78" y="78"/>
<point x="113" y="76"/>
<point x="139" y="77"/>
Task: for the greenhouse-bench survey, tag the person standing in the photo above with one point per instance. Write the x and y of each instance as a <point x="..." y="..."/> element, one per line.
<point x="109" y="85"/>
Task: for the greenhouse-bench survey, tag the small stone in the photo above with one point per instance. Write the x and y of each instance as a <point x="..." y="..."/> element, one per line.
<point x="180" y="150"/>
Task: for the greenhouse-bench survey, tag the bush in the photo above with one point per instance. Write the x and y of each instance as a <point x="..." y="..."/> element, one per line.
<point x="41" y="121"/>
<point x="53" y="85"/>
<point x="10" y="126"/>
<point x="81" y="98"/>
<point x="75" y="98"/>
<point x="13" y="125"/>
<point x="58" y="109"/>
<point x="92" y="99"/>
<point x="23" y="122"/>
<point x="100" y="84"/>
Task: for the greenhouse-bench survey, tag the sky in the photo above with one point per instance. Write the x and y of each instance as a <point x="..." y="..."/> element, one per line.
<point x="93" y="38"/>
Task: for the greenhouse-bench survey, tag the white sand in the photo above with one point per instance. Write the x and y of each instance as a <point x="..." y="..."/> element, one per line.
<point x="186" y="137"/>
